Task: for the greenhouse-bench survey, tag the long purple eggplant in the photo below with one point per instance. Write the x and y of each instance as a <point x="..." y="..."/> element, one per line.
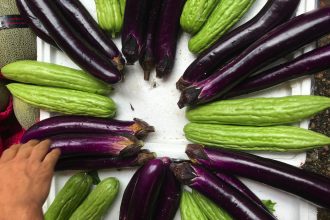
<point x="84" y="124"/>
<point x="72" y="42"/>
<point x="306" y="64"/>
<point x="34" y="22"/>
<point x="125" y="201"/>
<point x="95" y="144"/>
<point x="234" y="202"/>
<point x="167" y="34"/>
<point x="134" y="29"/>
<point x="240" y="186"/>
<point x="280" y="41"/>
<point x="103" y="162"/>
<point x="169" y="198"/>
<point x="146" y="190"/>
<point x="85" y="24"/>
<point x="147" y="58"/>
<point x="308" y="185"/>
<point x="274" y="13"/>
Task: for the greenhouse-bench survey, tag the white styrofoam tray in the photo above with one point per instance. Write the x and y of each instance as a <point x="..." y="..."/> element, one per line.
<point x="155" y="102"/>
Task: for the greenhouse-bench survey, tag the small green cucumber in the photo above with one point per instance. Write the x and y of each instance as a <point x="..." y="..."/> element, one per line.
<point x="189" y="208"/>
<point x="70" y="197"/>
<point x="53" y="75"/>
<point x="110" y="16"/>
<point x="275" y="138"/>
<point x="195" y="14"/>
<point x="259" y="111"/>
<point x="98" y="201"/>
<point x="209" y="208"/>
<point x="65" y="101"/>
<point x="225" y="15"/>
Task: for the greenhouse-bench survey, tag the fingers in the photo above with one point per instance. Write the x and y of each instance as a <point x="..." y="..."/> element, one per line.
<point x="26" y="149"/>
<point x="52" y="158"/>
<point x="10" y="153"/>
<point x="40" y="151"/>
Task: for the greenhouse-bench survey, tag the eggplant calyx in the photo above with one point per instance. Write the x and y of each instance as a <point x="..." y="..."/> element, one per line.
<point x="164" y="67"/>
<point x="142" y="127"/>
<point x="196" y="152"/>
<point x="182" y="84"/>
<point x="183" y="172"/>
<point x="131" y="50"/>
<point x="119" y="63"/>
<point x="189" y="96"/>
<point x="144" y="156"/>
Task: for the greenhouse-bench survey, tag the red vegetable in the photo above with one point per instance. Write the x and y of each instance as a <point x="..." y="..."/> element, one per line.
<point x="274" y="13"/>
<point x="310" y="186"/>
<point x="234" y="202"/>
<point x="280" y="41"/>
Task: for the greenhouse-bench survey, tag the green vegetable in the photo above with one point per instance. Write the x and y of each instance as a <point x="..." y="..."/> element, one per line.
<point x="47" y="74"/>
<point x="195" y="14"/>
<point x="270" y="205"/>
<point x="69" y="197"/>
<point x="209" y="208"/>
<point x="276" y="138"/>
<point x="98" y="201"/>
<point x="110" y="15"/>
<point x="26" y="114"/>
<point x="64" y="100"/>
<point x="189" y="208"/>
<point x="259" y="111"/>
<point x="224" y="16"/>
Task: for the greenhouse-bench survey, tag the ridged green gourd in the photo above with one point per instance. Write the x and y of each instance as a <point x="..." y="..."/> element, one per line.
<point x="189" y="209"/>
<point x="15" y="43"/>
<point x="209" y="208"/>
<point x="98" y="201"/>
<point x="48" y="74"/>
<point x="225" y="15"/>
<point x="110" y="15"/>
<point x="65" y="101"/>
<point x="26" y="114"/>
<point x="195" y="13"/>
<point x="259" y="111"/>
<point x="274" y="138"/>
<point x="73" y="193"/>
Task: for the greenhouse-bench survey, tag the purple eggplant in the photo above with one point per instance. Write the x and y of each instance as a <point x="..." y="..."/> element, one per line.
<point x="85" y="24"/>
<point x="146" y="190"/>
<point x="308" y="185"/>
<point x="103" y="162"/>
<point x="166" y="36"/>
<point x="306" y="64"/>
<point x="72" y="42"/>
<point x="233" y="201"/>
<point x="237" y="184"/>
<point x="147" y="58"/>
<point x="95" y="144"/>
<point x="134" y="29"/>
<point x="34" y="22"/>
<point x="169" y="198"/>
<point x="84" y="124"/>
<point x="125" y="202"/>
<point x="280" y="41"/>
<point x="274" y="13"/>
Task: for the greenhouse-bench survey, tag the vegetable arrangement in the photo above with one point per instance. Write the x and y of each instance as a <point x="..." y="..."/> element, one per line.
<point x="226" y="67"/>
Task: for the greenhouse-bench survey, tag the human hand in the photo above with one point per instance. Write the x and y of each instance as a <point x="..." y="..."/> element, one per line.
<point x="26" y="171"/>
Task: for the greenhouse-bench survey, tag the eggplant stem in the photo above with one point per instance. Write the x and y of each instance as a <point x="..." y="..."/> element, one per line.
<point x="183" y="172"/>
<point x="164" y="67"/>
<point x="145" y="128"/>
<point x="196" y="151"/>
<point x="188" y="96"/>
<point x="182" y="84"/>
<point x="144" y="156"/>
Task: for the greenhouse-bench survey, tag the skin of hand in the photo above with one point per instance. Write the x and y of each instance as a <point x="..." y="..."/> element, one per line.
<point x="26" y="171"/>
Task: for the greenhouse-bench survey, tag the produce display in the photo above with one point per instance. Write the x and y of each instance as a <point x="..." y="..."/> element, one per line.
<point x="231" y="62"/>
